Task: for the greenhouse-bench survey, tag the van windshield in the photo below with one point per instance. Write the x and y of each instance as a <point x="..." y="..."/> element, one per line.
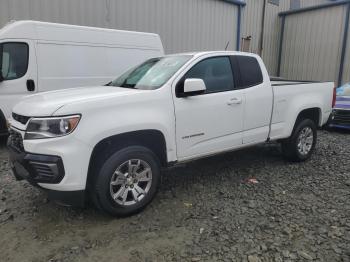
<point x="13" y="60"/>
<point x="151" y="74"/>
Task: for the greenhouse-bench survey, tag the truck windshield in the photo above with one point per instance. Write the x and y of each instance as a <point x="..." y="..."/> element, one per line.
<point x="151" y="74"/>
<point x="13" y="60"/>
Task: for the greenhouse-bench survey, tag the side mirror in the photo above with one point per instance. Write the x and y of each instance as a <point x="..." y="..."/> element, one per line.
<point x="194" y="86"/>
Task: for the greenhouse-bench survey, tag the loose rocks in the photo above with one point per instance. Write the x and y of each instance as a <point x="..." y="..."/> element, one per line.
<point x="296" y="212"/>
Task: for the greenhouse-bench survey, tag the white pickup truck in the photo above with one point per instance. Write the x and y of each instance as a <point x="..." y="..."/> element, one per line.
<point x="109" y="143"/>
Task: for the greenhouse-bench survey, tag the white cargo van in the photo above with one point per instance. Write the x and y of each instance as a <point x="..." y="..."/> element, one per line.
<point x="39" y="56"/>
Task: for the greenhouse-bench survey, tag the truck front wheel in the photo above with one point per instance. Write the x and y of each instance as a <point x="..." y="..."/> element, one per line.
<point x="300" y="146"/>
<point x="128" y="181"/>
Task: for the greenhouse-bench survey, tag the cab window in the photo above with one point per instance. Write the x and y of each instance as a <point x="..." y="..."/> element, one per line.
<point x="250" y="71"/>
<point x="216" y="72"/>
<point x="13" y="60"/>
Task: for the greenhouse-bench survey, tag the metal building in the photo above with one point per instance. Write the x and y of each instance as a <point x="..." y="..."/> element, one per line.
<point x="194" y="25"/>
<point x="184" y="25"/>
<point x="314" y="43"/>
<point x="262" y="23"/>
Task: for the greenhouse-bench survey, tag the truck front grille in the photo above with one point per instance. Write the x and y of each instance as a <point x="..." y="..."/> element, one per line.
<point x="341" y="117"/>
<point x="16" y="140"/>
<point x="22" y="119"/>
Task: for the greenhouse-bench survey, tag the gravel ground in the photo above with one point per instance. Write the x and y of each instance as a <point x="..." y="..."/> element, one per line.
<point x="207" y="211"/>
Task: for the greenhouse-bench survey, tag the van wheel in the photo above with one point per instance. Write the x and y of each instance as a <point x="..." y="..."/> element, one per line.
<point x="300" y="146"/>
<point x="128" y="181"/>
<point x="3" y="140"/>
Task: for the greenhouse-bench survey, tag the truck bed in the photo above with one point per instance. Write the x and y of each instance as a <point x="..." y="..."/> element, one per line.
<point x="291" y="96"/>
<point x="277" y="81"/>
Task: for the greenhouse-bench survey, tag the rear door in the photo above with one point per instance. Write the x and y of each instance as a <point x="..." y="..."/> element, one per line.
<point x="258" y="95"/>
<point x="213" y="121"/>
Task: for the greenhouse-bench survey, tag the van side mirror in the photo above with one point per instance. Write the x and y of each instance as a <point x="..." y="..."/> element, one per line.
<point x="194" y="86"/>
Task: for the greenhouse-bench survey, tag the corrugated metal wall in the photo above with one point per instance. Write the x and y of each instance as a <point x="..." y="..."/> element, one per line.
<point x="251" y="26"/>
<point x="312" y="44"/>
<point x="346" y="72"/>
<point x="272" y="34"/>
<point x="188" y="25"/>
<point x="251" y="23"/>
<point x="184" y="25"/>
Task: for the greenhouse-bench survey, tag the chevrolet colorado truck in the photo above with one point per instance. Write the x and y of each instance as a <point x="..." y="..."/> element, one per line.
<point x="108" y="144"/>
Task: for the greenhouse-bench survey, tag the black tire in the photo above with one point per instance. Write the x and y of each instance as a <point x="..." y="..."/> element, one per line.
<point x="3" y="140"/>
<point x="290" y="145"/>
<point x="101" y="188"/>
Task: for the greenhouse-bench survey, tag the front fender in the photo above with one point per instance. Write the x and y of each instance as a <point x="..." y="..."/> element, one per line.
<point x="151" y="110"/>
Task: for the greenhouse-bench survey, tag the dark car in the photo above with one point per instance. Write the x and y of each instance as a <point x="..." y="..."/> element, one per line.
<point x="340" y="117"/>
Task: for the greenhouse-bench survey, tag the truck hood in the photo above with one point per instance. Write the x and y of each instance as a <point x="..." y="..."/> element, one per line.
<point x="46" y="103"/>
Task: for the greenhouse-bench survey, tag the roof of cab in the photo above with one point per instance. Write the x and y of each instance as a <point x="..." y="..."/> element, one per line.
<point x="46" y="31"/>
<point x="201" y="53"/>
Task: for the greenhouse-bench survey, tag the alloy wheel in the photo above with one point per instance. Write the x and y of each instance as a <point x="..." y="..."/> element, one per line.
<point x="305" y="140"/>
<point x="131" y="182"/>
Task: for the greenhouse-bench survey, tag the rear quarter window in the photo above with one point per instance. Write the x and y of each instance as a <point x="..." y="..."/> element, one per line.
<point x="250" y="71"/>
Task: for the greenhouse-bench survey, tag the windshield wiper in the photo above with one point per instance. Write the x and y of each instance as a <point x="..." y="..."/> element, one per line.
<point x="123" y="85"/>
<point x="128" y="86"/>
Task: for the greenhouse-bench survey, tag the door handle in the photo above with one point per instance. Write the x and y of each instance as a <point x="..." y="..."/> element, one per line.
<point x="234" y="101"/>
<point x="30" y="85"/>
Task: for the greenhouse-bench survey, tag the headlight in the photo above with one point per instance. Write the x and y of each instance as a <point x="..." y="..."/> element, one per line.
<point x="51" y="127"/>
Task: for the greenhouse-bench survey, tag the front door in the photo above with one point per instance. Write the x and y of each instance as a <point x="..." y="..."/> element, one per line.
<point x="19" y="72"/>
<point x="213" y="121"/>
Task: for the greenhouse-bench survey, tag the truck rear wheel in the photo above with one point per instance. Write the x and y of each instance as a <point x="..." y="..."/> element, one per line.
<point x="128" y="181"/>
<point x="300" y="146"/>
